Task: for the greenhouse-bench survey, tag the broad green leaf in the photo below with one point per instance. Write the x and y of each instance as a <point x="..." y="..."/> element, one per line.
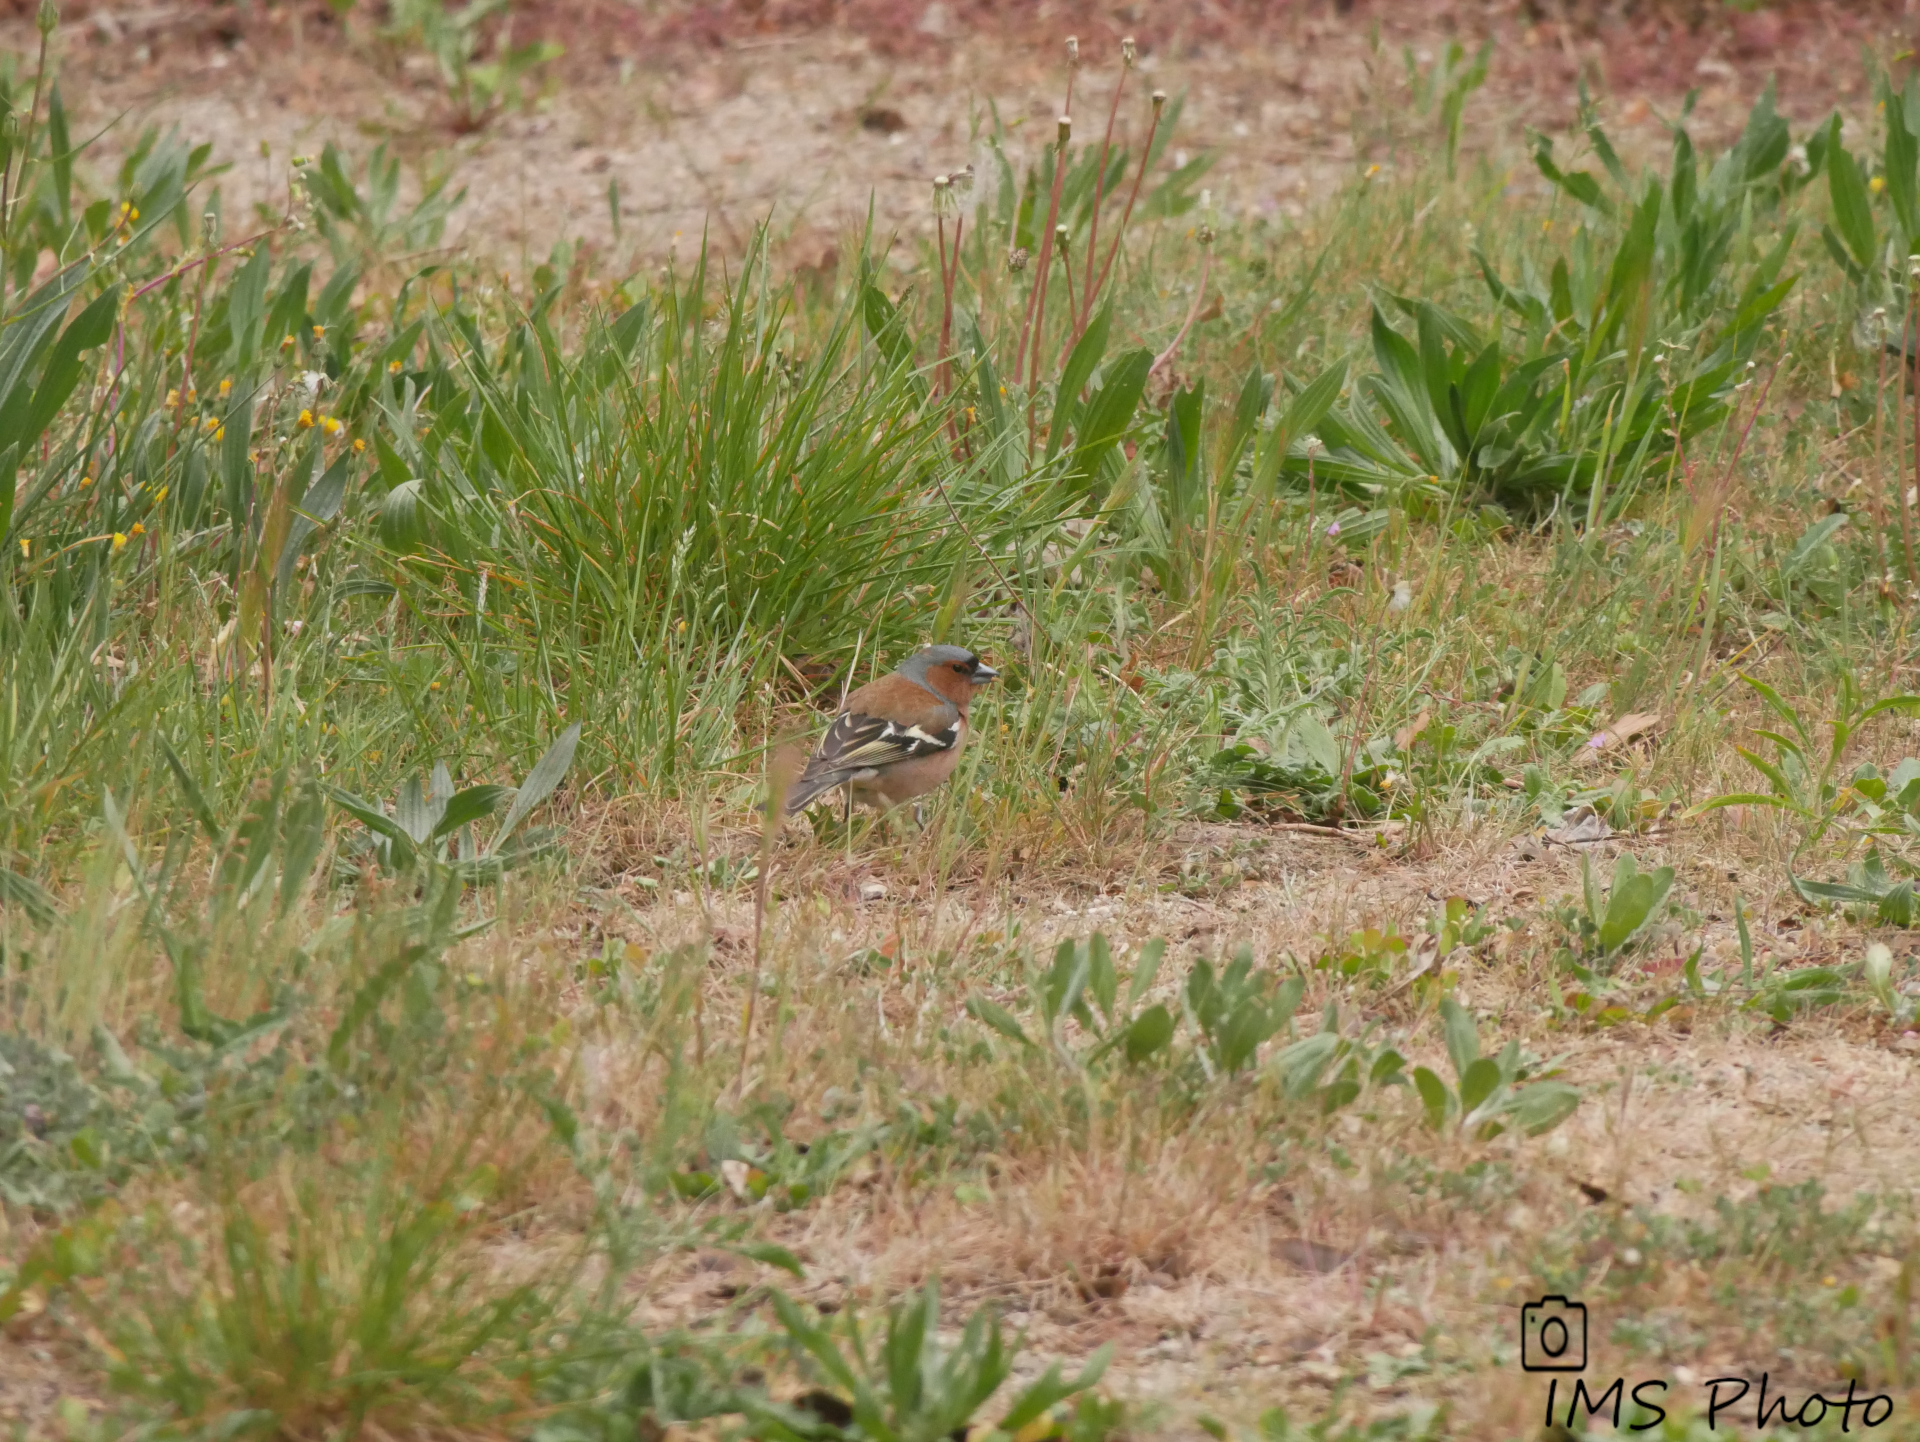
<point x="1632" y="903"/>
<point x="1102" y="984"/>
<point x="93" y="327"/>
<point x="320" y="505"/>
<point x="1434" y="1097"/>
<point x="1108" y="415"/>
<point x="996" y="1017"/>
<point x="1814" y="537"/>
<point x="1542" y="1106"/>
<point x="378" y="822"/>
<point x="1301" y="1064"/>
<point x="468" y="806"/>
<point x="411" y="812"/>
<point x="1902" y="154"/>
<point x="403" y="520"/>
<point x="539" y="784"/>
<point x="1145" y="969"/>
<point x="1461" y="1036"/>
<point x="1579" y="184"/>
<point x="1148" y="1034"/>
<point x="1081" y="361"/>
<point x="1050" y="1390"/>
<point x="1836" y="248"/>
<point x="1478" y="1082"/>
<point x="1852" y="207"/>
<point x="1628" y="906"/>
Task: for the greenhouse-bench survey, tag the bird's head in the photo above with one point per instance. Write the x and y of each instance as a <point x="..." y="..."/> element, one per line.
<point x="950" y="671"/>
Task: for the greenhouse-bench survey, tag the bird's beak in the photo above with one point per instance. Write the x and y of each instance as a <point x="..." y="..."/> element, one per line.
<point x="983" y="673"/>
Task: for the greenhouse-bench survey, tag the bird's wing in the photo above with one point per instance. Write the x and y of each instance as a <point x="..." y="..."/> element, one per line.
<point x="857" y="743"/>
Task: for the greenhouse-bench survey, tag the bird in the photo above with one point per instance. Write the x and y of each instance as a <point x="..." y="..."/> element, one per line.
<point x="896" y="738"/>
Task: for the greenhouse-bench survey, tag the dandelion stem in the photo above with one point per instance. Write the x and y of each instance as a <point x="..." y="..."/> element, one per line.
<point x="1139" y="174"/>
<point x="1066" y="276"/>
<point x="1037" y="297"/>
<point x="182" y="269"/>
<point x="1199" y="294"/>
<point x="1099" y="194"/>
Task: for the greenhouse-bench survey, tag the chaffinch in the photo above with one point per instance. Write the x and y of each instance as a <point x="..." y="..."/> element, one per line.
<point x="899" y="737"/>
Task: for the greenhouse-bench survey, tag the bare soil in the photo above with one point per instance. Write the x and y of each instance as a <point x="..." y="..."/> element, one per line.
<point x="711" y="119"/>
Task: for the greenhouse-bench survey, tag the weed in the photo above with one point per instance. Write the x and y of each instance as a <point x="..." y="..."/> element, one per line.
<point x="909" y="1385"/>
<point x="479" y="83"/>
<point x="1603" y="931"/>
<point x="1492" y="1093"/>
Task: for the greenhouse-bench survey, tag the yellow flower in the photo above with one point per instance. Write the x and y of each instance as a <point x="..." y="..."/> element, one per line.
<point x="1877" y="184"/>
<point x="85" y="481"/>
<point x="173" y="399"/>
<point x="393" y="368"/>
<point x="306" y="420"/>
<point x="161" y="494"/>
<point x="319" y="331"/>
<point x="139" y="529"/>
<point x="213" y="423"/>
<point x="226" y="389"/>
<point x="373" y="756"/>
<point x="286" y="342"/>
<point x="119" y="541"/>
<point x="219" y="433"/>
<point x="330" y="424"/>
<point x="359" y="445"/>
<point x="26" y="548"/>
<point x="1372" y="170"/>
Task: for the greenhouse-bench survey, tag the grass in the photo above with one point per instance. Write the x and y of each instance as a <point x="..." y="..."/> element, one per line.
<point x="1321" y="561"/>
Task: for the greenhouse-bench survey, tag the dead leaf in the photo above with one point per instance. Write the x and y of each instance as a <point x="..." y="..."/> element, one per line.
<point x="1582" y="826"/>
<point x="1404" y="738"/>
<point x="739" y="1179"/>
<point x="1424" y="955"/>
<point x="1626" y="728"/>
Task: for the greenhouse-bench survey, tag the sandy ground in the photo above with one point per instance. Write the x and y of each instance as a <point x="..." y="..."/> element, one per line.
<point x="1236" y="1295"/>
<point x="806" y="124"/>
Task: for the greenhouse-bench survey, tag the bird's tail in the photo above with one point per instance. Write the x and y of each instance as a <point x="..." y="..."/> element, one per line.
<point x="810" y="788"/>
